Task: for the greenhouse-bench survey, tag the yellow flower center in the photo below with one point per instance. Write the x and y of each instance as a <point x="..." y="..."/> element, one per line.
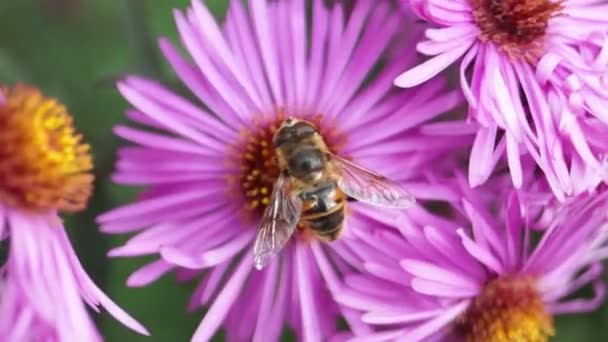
<point x="509" y="309"/>
<point x="517" y="27"/>
<point x="43" y="162"/>
<point x="255" y="156"/>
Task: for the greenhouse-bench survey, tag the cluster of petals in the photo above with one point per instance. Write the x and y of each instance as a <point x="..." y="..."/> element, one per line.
<point x="429" y="272"/>
<point x="44" y="290"/>
<point x="392" y="275"/>
<point x="549" y="108"/>
<point x="266" y="56"/>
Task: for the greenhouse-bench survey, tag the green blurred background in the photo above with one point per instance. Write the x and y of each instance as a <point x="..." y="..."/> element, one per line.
<point x="74" y="50"/>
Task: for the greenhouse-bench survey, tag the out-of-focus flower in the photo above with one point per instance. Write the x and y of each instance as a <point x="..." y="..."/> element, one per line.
<point x="534" y="70"/>
<point x="477" y="271"/>
<point x="209" y="168"/>
<point x="44" y="168"/>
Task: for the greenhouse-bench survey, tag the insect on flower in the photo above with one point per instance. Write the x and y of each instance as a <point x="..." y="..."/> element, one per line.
<point x="311" y="190"/>
<point x="209" y="166"/>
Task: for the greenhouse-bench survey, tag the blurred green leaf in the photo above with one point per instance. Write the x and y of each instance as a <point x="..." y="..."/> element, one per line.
<point x="161" y="307"/>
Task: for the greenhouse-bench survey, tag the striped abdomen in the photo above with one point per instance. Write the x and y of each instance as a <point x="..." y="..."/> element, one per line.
<point x="323" y="211"/>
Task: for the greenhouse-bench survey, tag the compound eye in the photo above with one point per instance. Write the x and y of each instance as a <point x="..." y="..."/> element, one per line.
<point x="304" y="129"/>
<point x="283" y="135"/>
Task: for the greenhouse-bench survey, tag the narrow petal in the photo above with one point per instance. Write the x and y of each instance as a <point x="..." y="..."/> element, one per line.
<point x="430" y="68"/>
<point x="481" y="254"/>
<point x="220" y="307"/>
<point x="312" y="331"/>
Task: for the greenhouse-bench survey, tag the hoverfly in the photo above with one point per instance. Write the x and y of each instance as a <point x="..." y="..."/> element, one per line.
<point x="312" y="189"/>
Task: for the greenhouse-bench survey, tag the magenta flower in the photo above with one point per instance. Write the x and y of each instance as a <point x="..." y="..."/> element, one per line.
<point x="534" y="70"/>
<point x="44" y="167"/>
<point x="475" y="274"/>
<point x="209" y="168"/>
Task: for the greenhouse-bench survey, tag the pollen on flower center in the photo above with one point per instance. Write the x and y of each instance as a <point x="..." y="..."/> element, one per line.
<point x="259" y="170"/>
<point x="517" y="27"/>
<point x="508" y="309"/>
<point x="255" y="156"/>
<point x="44" y="164"/>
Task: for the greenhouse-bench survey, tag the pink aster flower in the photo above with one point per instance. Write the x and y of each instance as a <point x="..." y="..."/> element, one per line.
<point x="44" y="168"/>
<point x="474" y="273"/>
<point x="534" y="73"/>
<point x="208" y="165"/>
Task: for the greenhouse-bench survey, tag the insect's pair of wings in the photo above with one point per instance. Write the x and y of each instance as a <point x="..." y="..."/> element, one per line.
<point x="284" y="209"/>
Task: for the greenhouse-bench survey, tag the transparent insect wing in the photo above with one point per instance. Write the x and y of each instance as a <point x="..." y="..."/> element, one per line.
<point x="278" y="223"/>
<point x="370" y="187"/>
